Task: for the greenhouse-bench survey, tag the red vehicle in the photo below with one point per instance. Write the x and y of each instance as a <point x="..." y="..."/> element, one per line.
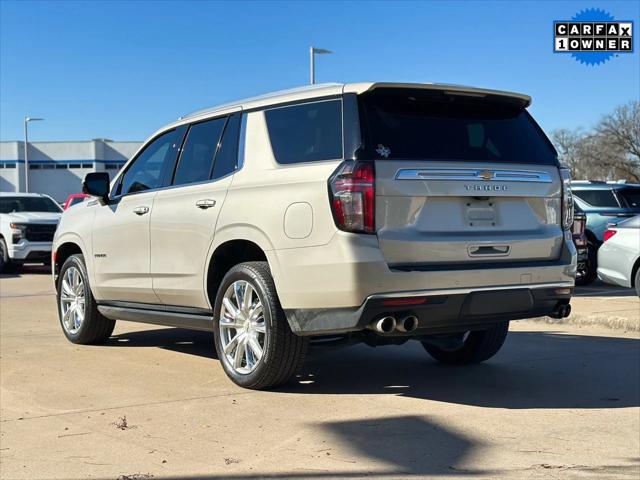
<point x="73" y="199"/>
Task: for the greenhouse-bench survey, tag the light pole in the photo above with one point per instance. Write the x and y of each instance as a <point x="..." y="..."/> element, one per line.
<point x="26" y="150"/>
<point x="312" y="53"/>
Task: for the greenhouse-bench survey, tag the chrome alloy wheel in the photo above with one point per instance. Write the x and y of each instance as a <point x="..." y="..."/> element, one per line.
<point x="72" y="300"/>
<point x="242" y="327"/>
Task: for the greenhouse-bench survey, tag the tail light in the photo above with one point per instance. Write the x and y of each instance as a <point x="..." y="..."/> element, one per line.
<point x="608" y="234"/>
<point x="567" y="199"/>
<point x="352" y="195"/>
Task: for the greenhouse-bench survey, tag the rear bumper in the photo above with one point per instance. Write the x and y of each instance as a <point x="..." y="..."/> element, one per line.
<point x="613" y="277"/>
<point x="351" y="268"/>
<point x="336" y="287"/>
<point x="438" y="311"/>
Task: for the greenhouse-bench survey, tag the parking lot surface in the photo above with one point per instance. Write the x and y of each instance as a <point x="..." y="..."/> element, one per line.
<point x="561" y="400"/>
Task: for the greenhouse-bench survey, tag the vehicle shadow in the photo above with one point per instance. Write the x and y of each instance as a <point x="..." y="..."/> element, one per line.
<point x="191" y="342"/>
<point x="533" y="370"/>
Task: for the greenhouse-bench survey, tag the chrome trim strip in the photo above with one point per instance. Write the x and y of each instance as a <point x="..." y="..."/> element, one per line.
<point x="458" y="291"/>
<point x="466" y="174"/>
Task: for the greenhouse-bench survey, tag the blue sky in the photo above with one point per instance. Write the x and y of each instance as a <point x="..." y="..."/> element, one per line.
<point x="120" y="70"/>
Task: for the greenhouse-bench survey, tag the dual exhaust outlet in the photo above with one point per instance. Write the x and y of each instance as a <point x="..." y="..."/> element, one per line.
<point x="388" y="324"/>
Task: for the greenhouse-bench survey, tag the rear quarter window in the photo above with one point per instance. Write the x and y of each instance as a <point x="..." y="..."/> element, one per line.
<point x="307" y="132"/>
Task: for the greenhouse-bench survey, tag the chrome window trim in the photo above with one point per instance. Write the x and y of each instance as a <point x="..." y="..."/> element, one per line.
<point x="467" y="174"/>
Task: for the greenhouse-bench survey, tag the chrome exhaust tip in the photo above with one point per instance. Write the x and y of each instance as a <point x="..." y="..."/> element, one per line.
<point x="407" y="324"/>
<point x="383" y="325"/>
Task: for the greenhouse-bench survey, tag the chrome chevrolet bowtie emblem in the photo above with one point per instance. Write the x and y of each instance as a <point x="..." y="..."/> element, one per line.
<point x="486" y="174"/>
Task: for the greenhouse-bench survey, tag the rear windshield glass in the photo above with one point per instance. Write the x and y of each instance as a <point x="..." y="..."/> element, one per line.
<point x="434" y="125"/>
<point x="28" y="204"/>
<point x="631" y="196"/>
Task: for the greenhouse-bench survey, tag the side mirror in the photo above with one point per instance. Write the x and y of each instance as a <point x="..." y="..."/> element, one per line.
<point x="97" y="184"/>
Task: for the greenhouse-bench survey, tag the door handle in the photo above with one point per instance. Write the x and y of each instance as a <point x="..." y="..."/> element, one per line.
<point x="204" y="204"/>
<point x="141" y="210"/>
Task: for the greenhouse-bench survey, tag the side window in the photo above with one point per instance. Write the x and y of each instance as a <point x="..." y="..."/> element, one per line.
<point x="227" y="158"/>
<point x="145" y="172"/>
<point x="598" y="198"/>
<point x="307" y="132"/>
<point x="196" y="159"/>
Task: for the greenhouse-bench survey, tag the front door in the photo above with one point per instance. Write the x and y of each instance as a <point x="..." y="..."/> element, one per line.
<point x="121" y="245"/>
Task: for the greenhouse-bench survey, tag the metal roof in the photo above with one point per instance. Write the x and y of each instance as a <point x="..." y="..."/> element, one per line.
<point x="328" y="89"/>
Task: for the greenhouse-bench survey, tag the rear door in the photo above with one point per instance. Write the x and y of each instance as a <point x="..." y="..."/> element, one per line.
<point x="461" y="179"/>
<point x="185" y="213"/>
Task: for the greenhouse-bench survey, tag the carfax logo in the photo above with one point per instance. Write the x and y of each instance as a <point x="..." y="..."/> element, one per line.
<point x="593" y="36"/>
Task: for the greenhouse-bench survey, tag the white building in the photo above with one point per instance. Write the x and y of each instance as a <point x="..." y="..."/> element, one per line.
<point x="57" y="168"/>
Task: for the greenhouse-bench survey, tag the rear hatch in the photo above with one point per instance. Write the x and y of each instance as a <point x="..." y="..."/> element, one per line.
<point x="461" y="178"/>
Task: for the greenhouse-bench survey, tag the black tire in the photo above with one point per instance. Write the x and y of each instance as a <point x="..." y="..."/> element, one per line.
<point x="637" y="282"/>
<point x="95" y="327"/>
<point x="4" y="256"/>
<point x="283" y="352"/>
<point x="477" y="347"/>
<point x="590" y="273"/>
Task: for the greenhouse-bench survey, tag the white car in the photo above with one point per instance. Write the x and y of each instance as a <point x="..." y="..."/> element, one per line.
<point x="619" y="255"/>
<point x="28" y="222"/>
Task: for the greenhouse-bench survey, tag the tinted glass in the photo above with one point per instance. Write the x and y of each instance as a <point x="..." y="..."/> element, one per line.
<point x="76" y="200"/>
<point x="227" y="158"/>
<point x="306" y="133"/>
<point x="145" y="172"/>
<point x="597" y="198"/>
<point x="196" y="159"/>
<point x="28" y="204"/>
<point x="631" y="196"/>
<point x="428" y="125"/>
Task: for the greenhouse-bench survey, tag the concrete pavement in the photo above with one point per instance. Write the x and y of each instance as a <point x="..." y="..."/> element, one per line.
<point x="559" y="401"/>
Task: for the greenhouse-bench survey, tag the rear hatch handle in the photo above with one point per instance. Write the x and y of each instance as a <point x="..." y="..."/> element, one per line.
<point x="489" y="250"/>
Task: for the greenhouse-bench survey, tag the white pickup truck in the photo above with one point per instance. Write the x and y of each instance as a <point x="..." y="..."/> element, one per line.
<point x="28" y="222"/>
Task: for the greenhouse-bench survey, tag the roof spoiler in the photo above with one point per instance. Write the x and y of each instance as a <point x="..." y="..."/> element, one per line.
<point x="523" y="100"/>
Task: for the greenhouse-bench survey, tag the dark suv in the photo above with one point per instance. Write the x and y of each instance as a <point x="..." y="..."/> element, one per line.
<point x="603" y="203"/>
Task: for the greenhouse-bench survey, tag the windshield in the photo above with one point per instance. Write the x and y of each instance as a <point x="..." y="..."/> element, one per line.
<point x="433" y="125"/>
<point x="28" y="204"/>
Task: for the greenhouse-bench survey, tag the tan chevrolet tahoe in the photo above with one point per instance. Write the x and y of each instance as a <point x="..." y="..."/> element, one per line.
<point x="374" y="212"/>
